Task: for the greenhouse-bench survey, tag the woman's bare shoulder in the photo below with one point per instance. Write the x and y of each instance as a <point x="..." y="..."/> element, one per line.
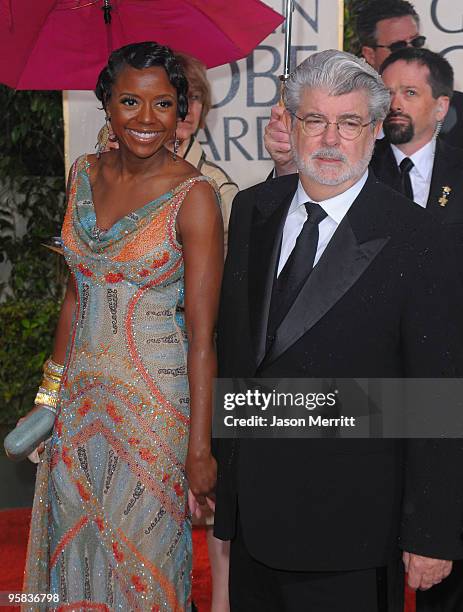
<point x="91" y="158"/>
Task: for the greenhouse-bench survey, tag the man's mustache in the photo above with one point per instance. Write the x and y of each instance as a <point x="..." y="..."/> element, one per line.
<point x="393" y="114"/>
<point x="329" y="153"/>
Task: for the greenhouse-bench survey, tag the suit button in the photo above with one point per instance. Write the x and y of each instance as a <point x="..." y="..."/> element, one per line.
<point x="270" y="338"/>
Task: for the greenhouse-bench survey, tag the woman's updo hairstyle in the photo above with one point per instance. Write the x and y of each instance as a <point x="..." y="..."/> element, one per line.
<point x="143" y="55"/>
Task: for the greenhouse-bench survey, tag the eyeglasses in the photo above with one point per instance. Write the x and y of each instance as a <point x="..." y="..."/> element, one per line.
<point x="349" y="129"/>
<point x="416" y="42"/>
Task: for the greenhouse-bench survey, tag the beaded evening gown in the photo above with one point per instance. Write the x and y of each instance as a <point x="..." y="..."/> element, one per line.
<point x="110" y="526"/>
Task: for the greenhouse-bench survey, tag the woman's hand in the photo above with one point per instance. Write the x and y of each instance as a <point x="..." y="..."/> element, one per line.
<point x="197" y="510"/>
<point x="35" y="455"/>
<point x="201" y="471"/>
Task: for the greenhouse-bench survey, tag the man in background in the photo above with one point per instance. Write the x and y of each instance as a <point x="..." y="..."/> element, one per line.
<point x="386" y="26"/>
<point x="412" y="158"/>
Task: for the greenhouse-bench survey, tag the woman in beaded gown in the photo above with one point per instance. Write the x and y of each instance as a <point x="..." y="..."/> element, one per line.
<point x="142" y="236"/>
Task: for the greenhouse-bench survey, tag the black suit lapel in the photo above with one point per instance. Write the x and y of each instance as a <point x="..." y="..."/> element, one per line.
<point x="447" y="169"/>
<point x="384" y="165"/>
<point x="265" y="239"/>
<point x="343" y="262"/>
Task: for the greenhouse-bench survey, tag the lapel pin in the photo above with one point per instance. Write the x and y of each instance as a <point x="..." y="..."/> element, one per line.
<point x="444" y="196"/>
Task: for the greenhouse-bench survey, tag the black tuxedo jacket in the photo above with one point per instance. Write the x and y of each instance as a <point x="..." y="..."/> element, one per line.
<point x="381" y="302"/>
<point x="447" y="172"/>
<point x="452" y="129"/>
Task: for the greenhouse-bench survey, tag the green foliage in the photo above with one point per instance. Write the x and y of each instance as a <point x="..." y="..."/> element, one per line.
<point x="31" y="138"/>
<point x="351" y="42"/>
<point x="31" y="191"/>
<point x="31" y="210"/>
<point x="26" y="330"/>
<point x="349" y="34"/>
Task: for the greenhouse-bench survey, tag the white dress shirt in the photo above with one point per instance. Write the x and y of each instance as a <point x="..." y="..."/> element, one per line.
<point x="421" y="173"/>
<point x="335" y="208"/>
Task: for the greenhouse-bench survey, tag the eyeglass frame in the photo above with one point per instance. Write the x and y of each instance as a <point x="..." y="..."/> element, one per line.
<point x="336" y="123"/>
<point x="403" y="44"/>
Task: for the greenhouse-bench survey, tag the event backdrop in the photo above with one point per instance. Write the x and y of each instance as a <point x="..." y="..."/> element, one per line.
<point x="442" y="23"/>
<point x="243" y="93"/>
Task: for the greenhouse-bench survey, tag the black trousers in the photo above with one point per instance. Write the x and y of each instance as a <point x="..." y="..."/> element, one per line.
<point x="254" y="587"/>
<point x="444" y="597"/>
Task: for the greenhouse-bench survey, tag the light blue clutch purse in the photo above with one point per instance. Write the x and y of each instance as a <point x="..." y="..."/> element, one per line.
<point x="36" y="427"/>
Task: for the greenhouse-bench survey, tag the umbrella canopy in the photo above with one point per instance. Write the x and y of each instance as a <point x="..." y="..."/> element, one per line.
<point x="63" y="44"/>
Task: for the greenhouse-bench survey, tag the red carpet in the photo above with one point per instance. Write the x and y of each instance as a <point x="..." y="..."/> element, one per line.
<point x="409" y="600"/>
<point x="14" y="527"/>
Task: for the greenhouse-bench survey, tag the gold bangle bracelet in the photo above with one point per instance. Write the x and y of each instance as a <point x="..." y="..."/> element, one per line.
<point x="51" y="392"/>
<point x="52" y="385"/>
<point x="44" y="399"/>
<point x="48" y="392"/>
<point x="52" y="368"/>
<point x="52" y="377"/>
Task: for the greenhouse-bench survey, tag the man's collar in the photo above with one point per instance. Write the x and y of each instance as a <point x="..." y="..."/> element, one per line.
<point x="422" y="159"/>
<point x="335" y="207"/>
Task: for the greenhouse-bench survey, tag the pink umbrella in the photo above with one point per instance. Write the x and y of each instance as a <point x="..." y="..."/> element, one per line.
<point x="63" y="44"/>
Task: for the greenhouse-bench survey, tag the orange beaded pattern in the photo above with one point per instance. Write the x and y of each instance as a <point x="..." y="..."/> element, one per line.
<point x="110" y="527"/>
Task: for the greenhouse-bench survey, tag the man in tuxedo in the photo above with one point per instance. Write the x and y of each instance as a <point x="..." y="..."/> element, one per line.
<point x="330" y="273"/>
<point x="429" y="171"/>
<point x="411" y="158"/>
<point x="386" y="26"/>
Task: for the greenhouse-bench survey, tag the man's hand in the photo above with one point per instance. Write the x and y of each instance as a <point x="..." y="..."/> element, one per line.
<point x="196" y="509"/>
<point x="277" y="143"/>
<point x="201" y="471"/>
<point x="424" y="572"/>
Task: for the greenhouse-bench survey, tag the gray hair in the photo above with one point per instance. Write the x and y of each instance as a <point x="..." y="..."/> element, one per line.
<point x="338" y="73"/>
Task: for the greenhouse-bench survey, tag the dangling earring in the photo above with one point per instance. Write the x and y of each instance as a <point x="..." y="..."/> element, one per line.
<point x="176" y="146"/>
<point x="102" y="138"/>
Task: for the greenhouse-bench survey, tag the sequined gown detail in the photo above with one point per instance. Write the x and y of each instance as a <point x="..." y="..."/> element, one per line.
<point x="110" y="527"/>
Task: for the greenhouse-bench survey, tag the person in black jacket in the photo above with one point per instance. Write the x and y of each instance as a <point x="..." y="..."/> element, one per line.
<point x="323" y="524"/>
<point x="421" y="84"/>
<point x="386" y="26"/>
<point x="413" y="158"/>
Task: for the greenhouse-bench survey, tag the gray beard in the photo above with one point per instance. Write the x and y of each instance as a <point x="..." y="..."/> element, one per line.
<point x="308" y="168"/>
